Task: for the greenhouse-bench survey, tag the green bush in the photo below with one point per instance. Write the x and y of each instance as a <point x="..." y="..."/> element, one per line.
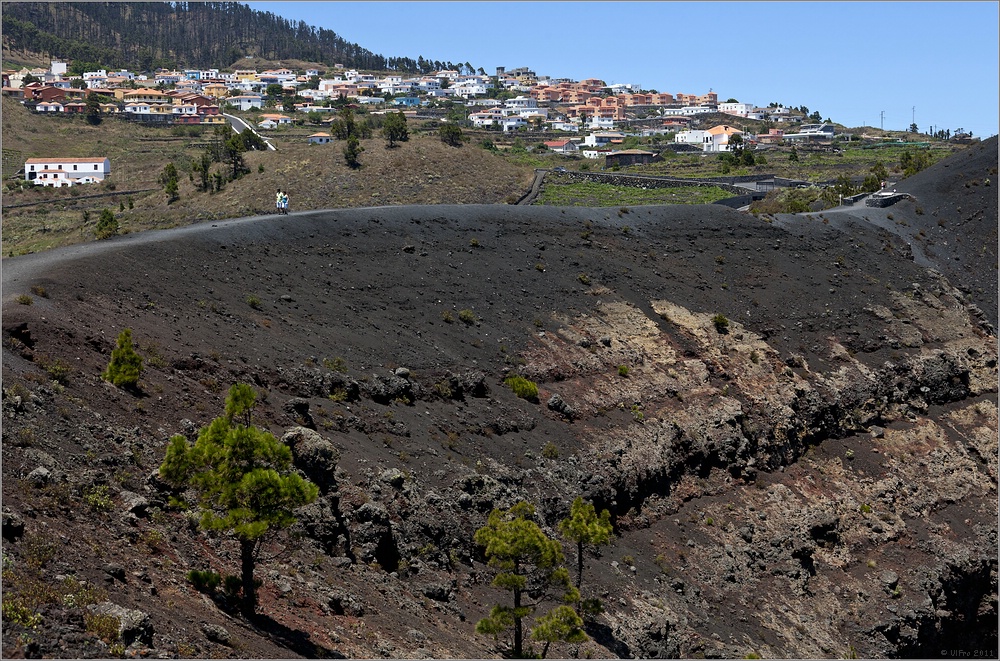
<point x="126" y="365"/>
<point x="721" y="323"/>
<point x="623" y="370"/>
<point x="522" y="387"/>
<point x="550" y="451"/>
<point x="204" y="581"/>
<point x="467" y="317"/>
<point x="99" y="499"/>
<point x="232" y="585"/>
<point x="107" y="225"/>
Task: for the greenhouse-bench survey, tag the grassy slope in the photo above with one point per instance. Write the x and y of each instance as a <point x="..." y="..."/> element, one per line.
<point x="421" y="171"/>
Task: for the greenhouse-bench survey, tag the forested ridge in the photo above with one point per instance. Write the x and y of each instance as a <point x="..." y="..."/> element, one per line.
<point x="144" y="36"/>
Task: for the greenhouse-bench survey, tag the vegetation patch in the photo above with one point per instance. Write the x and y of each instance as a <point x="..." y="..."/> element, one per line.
<point x="522" y="387"/>
<point x="563" y="192"/>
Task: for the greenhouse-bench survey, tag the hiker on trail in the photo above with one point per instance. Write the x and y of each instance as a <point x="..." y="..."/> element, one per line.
<point x="277" y="200"/>
<point x="284" y="203"/>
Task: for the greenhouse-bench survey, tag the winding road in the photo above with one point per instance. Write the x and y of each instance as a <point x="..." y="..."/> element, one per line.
<point x="236" y="122"/>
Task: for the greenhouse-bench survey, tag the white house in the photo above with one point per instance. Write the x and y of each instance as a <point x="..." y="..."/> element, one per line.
<point x="565" y="126"/>
<point x="320" y="138"/>
<point x="485" y="103"/>
<point x="520" y="103"/>
<point x="395" y="88"/>
<point x="272" y="121"/>
<point x="690" y="137"/>
<point x="602" y="139"/>
<point x="246" y="101"/>
<point x="595" y="153"/>
<point x="137" y="108"/>
<point x="809" y="132"/>
<point x="485" y="117"/>
<point x="562" y="146"/>
<point x="738" y="109"/>
<point x="600" y="123"/>
<point x="717" y="138"/>
<point x="469" y="89"/>
<point x="59" y="172"/>
<point x="687" y="111"/>
<point x="513" y="123"/>
<point x="51" y="106"/>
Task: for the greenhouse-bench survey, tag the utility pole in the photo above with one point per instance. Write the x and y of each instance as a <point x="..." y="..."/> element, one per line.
<point x="882" y="121"/>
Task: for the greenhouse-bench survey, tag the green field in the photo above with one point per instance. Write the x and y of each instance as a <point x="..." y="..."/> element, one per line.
<point x="561" y="192"/>
<point x="815" y="166"/>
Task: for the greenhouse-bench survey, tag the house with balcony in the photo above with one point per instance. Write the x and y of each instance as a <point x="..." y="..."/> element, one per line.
<point x="245" y="101"/>
<point x="142" y="95"/>
<point x="513" y="123"/>
<point x="688" y="111"/>
<point x="486" y="118"/>
<point x="717" y="138"/>
<point x="737" y="109"/>
<point x="58" y="172"/>
<point x="184" y="110"/>
<point x="604" y="138"/>
<point x="595" y="123"/>
<point x="812" y="133"/>
<point x="137" y="108"/>
<point x="44" y="93"/>
<point x="212" y="120"/>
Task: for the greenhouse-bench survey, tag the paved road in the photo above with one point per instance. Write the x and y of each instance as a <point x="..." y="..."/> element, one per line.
<point x="535" y="187"/>
<point x="236" y="123"/>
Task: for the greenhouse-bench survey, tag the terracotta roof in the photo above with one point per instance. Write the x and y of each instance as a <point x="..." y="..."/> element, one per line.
<point x="66" y="160"/>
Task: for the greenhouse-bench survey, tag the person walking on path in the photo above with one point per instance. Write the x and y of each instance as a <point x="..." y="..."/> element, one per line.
<point x="277" y="200"/>
<point x="284" y="203"/>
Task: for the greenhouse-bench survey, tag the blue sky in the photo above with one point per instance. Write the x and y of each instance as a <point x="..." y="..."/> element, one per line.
<point x="935" y="63"/>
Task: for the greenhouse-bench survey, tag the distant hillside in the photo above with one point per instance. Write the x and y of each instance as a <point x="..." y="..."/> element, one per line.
<point x="144" y="36"/>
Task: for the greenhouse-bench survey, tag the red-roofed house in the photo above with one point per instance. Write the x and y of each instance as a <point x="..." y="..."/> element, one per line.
<point x="562" y="146"/>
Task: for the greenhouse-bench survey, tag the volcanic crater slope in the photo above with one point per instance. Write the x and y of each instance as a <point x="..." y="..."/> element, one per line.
<point x="793" y="425"/>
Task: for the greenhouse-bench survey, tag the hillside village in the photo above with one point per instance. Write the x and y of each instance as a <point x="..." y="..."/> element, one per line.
<point x="596" y="117"/>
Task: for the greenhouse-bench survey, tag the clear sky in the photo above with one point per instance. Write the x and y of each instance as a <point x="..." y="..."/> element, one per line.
<point x="935" y="63"/>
